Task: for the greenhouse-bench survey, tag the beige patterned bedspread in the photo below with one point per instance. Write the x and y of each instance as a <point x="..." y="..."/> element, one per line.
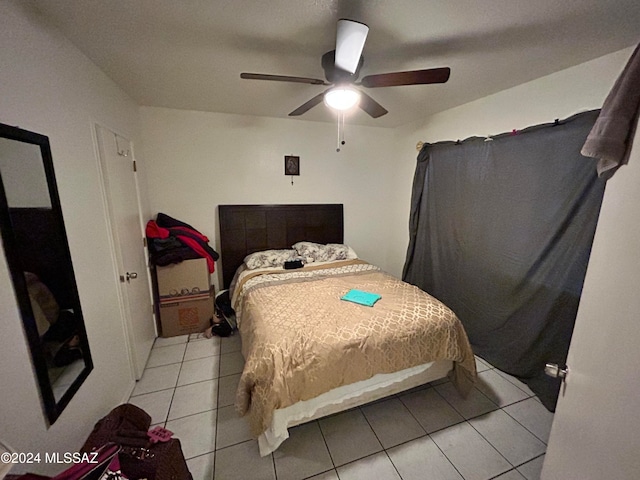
<point x="300" y="340"/>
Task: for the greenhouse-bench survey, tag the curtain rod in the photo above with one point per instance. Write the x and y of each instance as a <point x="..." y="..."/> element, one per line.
<point x="516" y="131"/>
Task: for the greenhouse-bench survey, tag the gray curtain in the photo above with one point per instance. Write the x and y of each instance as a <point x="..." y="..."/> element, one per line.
<point x="501" y="232"/>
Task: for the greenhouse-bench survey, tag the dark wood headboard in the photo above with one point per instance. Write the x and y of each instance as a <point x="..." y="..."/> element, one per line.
<point x="245" y="229"/>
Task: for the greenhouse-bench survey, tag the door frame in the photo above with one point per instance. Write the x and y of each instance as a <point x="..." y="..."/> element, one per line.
<point x="114" y="244"/>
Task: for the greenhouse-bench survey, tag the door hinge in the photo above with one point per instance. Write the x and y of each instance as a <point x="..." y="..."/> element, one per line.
<point x="135" y="168"/>
<point x="144" y="241"/>
<point x="554" y="371"/>
<point x="123" y="152"/>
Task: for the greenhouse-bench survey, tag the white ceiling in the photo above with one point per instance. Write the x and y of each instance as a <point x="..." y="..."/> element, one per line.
<point x="188" y="54"/>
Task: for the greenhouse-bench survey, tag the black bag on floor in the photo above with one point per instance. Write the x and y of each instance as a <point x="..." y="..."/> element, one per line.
<point x="127" y="426"/>
<point x="225" y="321"/>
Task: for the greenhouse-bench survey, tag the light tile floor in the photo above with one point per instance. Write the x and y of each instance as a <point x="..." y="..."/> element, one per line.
<point x="499" y="432"/>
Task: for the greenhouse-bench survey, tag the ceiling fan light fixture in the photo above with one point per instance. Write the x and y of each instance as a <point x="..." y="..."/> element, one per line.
<point x="350" y="38"/>
<point x="341" y="98"/>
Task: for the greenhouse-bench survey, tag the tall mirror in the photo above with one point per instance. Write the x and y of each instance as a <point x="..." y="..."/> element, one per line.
<point x="37" y="252"/>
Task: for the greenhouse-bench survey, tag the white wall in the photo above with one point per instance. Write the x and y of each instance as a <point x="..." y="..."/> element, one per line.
<point x="560" y="95"/>
<point x="197" y="161"/>
<point x="49" y="87"/>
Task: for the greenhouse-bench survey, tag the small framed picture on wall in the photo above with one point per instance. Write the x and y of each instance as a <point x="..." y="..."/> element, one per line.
<point x="291" y="165"/>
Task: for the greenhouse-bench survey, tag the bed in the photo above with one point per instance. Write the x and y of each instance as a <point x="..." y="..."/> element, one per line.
<point x="309" y="354"/>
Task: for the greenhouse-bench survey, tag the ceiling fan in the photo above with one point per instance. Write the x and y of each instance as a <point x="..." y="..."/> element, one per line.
<point x="342" y="68"/>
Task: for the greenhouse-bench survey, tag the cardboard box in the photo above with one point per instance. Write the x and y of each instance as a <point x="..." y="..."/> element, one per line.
<point x="191" y="316"/>
<point x="184" y="281"/>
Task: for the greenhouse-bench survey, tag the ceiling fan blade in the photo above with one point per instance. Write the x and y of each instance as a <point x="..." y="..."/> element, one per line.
<point x="350" y="40"/>
<point x="414" y="77"/>
<point x="370" y="106"/>
<point x="282" y="78"/>
<point x="305" y="107"/>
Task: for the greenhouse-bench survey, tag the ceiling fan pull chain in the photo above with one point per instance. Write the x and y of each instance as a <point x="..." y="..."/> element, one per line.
<point x="338" y="140"/>
<point x="341" y="140"/>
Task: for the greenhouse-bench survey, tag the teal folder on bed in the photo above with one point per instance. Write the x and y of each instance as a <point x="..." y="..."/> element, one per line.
<point x="360" y="297"/>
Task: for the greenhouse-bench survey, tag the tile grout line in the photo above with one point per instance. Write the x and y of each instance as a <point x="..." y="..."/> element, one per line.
<point x="416" y="420"/>
<point x="524" y="426"/>
<point x="445" y="456"/>
<point x="511" y="384"/>
<point x="273" y="462"/>
<point x="196" y="413"/>
<point x="326" y="446"/>
<point x="378" y="438"/>
<point x="506" y="413"/>
<point x="530" y="460"/>
<point x="459" y="412"/>
<point x="492" y="445"/>
<point x="170" y="345"/>
<point x="463" y="421"/>
<point x="321" y="473"/>
<point x="166" y="420"/>
<point x="170" y="363"/>
<point x="215" y="443"/>
<point x="498" y="407"/>
<point x="235" y="444"/>
<point x="370" y="426"/>
<point x="428" y="434"/>
<point x="385" y="450"/>
<point x="153" y="391"/>
<point x="198" y="381"/>
<point x="514" y="384"/>
<point x="486" y="413"/>
<point x="496" y="477"/>
<point x="391" y="462"/>
<point x="358" y="459"/>
<point x="502" y="409"/>
<point x="491" y="367"/>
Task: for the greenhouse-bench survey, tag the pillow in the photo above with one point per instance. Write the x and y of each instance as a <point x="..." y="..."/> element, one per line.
<point x="309" y="251"/>
<point x="269" y="258"/>
<point x="316" y="252"/>
<point x="338" y="251"/>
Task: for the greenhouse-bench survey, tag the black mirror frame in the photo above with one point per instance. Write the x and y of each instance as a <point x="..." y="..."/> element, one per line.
<point x="52" y="408"/>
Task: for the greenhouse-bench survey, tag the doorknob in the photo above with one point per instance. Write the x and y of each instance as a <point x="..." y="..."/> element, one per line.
<point x="131" y="276"/>
<point x="553" y="370"/>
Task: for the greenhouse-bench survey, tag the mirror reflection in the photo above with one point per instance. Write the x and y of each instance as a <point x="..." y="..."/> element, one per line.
<point x="37" y="252"/>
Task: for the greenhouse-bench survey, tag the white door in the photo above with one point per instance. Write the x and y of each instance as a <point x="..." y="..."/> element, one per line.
<point x="118" y="170"/>
<point x="596" y="428"/>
